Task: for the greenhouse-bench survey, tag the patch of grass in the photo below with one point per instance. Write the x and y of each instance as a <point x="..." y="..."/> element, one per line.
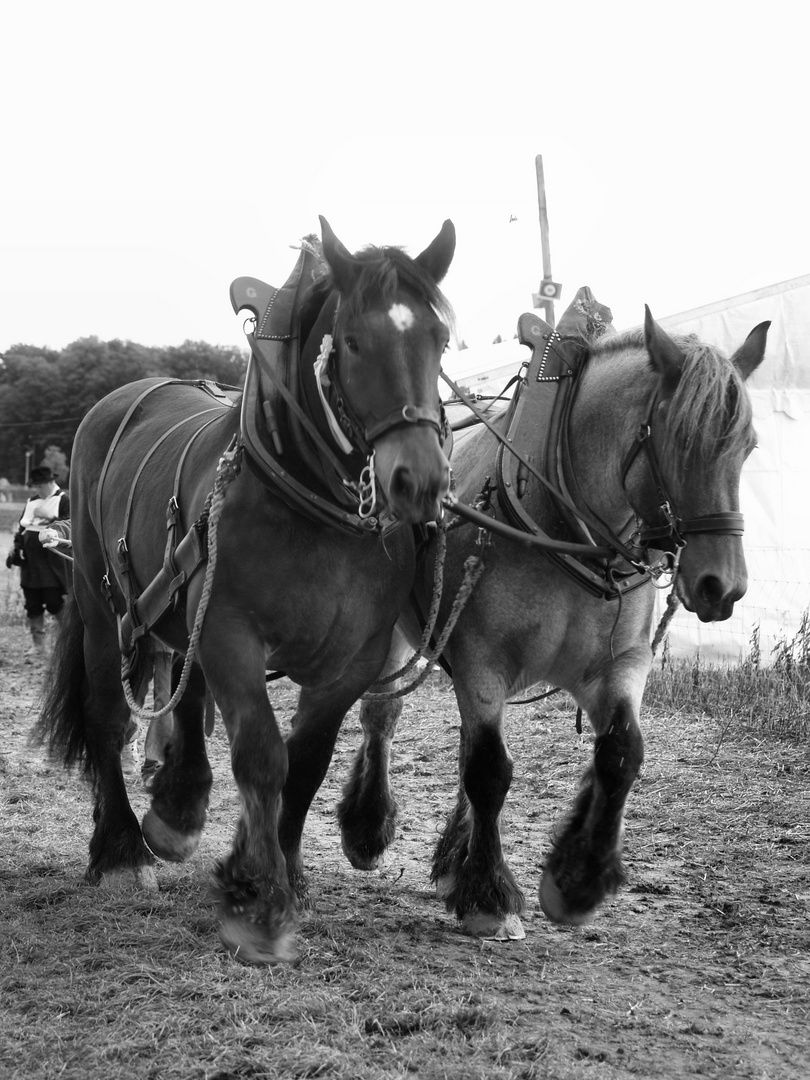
<point x="771" y="700"/>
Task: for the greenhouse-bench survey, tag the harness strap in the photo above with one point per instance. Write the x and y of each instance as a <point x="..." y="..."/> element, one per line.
<point x="173" y="505"/>
<point x="670" y="536"/>
<point x="546" y="367"/>
<point x="135" y="627"/>
<point x="124" y="564"/>
<point x="273" y="473"/>
<point x="106" y="584"/>
<point x="401" y="417"/>
<point x="160" y="594"/>
<point x="273" y="377"/>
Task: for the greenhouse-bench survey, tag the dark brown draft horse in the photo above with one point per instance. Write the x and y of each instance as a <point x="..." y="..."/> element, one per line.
<point x="658" y="432"/>
<point x="291" y="590"/>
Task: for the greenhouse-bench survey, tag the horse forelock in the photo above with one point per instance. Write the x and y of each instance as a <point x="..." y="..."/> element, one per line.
<point x="709" y="415"/>
<point x="386" y="273"/>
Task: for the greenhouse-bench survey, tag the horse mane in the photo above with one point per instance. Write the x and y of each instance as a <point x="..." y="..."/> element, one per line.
<point x="709" y="415"/>
<point x="385" y="271"/>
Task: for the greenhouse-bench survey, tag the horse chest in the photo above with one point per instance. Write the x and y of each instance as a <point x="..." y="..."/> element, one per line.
<point x="327" y="598"/>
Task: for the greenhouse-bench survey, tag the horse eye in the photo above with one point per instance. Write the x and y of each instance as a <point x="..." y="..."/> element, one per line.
<point x="351" y="343"/>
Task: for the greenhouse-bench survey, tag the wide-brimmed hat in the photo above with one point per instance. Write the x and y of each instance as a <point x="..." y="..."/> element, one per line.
<point x="41" y="475"/>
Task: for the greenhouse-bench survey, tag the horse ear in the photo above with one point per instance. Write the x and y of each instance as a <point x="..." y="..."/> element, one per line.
<point x="438" y="255"/>
<point x="665" y="356"/>
<point x="750" y="354"/>
<point x="341" y="262"/>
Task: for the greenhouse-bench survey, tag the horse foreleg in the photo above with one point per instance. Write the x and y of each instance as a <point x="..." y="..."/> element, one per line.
<point x="310" y="746"/>
<point x="585" y="864"/>
<point x="367" y="812"/>
<point x="257" y="907"/>
<point x="469" y="867"/>
<point x="173" y="825"/>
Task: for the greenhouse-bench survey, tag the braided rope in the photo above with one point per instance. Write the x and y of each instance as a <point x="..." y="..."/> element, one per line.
<point x="227" y="470"/>
<point x="666" y="618"/>
<point x="473" y="569"/>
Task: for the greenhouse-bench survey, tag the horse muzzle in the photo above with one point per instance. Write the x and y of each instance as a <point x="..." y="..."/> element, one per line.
<point x="714" y="589"/>
<point x="413" y="472"/>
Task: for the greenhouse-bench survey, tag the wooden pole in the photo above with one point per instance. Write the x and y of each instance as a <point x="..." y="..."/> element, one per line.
<point x="544" y="241"/>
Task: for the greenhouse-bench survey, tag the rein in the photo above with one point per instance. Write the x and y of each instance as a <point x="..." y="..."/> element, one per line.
<point x="532" y="535"/>
<point x="473" y="569"/>
<point x="595" y="566"/>
<point x="316" y="400"/>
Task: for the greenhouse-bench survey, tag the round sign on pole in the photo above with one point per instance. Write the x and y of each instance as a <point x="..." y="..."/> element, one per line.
<point x="550" y="290"/>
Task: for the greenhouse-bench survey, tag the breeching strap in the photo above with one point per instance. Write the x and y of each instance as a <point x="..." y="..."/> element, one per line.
<point x="227" y="470"/>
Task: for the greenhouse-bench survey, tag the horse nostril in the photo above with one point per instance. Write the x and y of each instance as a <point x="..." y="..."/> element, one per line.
<point x="402" y="485"/>
<point x="405" y="485"/>
<point x="711" y="590"/>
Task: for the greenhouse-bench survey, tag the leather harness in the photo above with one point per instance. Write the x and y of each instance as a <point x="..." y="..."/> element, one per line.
<point x="284" y="437"/>
<point x="604" y="562"/>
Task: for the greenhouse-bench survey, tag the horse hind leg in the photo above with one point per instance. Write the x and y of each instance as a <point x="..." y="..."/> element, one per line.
<point x="83" y="721"/>
<point x="180" y="789"/>
<point x="367" y="811"/>
<point x="584" y="865"/>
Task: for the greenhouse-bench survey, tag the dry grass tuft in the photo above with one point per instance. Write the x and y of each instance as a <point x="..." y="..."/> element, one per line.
<point x="753" y="699"/>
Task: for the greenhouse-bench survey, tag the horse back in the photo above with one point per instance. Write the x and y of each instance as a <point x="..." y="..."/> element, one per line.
<point x="143" y="445"/>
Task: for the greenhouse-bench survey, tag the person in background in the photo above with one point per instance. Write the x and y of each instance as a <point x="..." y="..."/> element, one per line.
<point x="44" y="575"/>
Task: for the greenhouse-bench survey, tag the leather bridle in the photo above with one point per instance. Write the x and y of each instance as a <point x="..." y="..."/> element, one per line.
<point x="670" y="536"/>
<point x="363" y="436"/>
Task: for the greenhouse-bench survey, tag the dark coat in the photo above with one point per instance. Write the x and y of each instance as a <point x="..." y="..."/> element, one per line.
<point x="39" y="567"/>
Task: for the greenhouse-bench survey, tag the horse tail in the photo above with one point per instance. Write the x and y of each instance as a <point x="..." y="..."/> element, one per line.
<point x="61" y="724"/>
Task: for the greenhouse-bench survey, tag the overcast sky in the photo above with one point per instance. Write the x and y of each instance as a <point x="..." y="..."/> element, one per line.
<point x="153" y="152"/>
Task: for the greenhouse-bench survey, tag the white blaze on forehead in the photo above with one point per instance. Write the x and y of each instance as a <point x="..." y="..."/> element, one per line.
<point x="401" y="316"/>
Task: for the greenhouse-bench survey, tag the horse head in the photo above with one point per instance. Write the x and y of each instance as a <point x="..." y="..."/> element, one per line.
<point x="390" y="330"/>
<point x="700" y="430"/>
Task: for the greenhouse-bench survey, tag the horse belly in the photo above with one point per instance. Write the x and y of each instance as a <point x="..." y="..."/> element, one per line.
<point x="531" y="623"/>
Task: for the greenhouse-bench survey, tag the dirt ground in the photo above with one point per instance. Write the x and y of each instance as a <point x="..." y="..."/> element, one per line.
<point x="700" y="967"/>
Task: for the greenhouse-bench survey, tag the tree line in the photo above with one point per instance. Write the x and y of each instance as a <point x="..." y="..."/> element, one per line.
<point x="45" y="393"/>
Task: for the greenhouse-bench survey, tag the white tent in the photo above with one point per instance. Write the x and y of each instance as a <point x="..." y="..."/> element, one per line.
<point x="776" y="477"/>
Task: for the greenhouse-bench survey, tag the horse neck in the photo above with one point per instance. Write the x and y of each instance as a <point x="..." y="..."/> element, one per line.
<point x="473" y="460"/>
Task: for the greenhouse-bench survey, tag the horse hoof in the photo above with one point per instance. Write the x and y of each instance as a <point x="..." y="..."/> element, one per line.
<point x="493" y="927"/>
<point x="444" y="886"/>
<point x="249" y="944"/>
<point x="129" y="880"/>
<point x="362" y="860"/>
<point x="168" y="843"/>
<point x="554" y="906"/>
